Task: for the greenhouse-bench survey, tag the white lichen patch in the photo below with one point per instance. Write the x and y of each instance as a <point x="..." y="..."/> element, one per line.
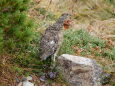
<point x="77" y="59"/>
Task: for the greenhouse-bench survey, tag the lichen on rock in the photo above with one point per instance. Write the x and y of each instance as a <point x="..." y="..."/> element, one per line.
<point x="79" y="71"/>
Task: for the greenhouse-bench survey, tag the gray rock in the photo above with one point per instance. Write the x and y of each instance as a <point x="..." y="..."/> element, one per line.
<point x="27" y="83"/>
<point x="52" y="75"/>
<point x="79" y="71"/>
<point x="43" y="78"/>
<point x="29" y="78"/>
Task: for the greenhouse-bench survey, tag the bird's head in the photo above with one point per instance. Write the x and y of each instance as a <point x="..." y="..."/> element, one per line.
<point x="67" y="21"/>
<point x="65" y="16"/>
<point x="64" y="20"/>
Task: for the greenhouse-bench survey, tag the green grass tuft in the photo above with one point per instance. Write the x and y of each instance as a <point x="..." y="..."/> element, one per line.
<point x="74" y="41"/>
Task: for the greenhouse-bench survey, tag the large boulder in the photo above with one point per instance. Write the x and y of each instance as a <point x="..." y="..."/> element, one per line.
<point x="79" y="71"/>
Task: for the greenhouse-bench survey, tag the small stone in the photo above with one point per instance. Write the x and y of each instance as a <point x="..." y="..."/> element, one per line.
<point x="29" y="78"/>
<point x="43" y="78"/>
<point x="24" y="79"/>
<point x="27" y="83"/>
<point x="52" y="75"/>
<point x="106" y="77"/>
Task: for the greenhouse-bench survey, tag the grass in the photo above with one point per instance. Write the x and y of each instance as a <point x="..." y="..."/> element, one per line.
<point x="82" y="43"/>
<point x="25" y="61"/>
<point x="99" y="13"/>
<point x="76" y="42"/>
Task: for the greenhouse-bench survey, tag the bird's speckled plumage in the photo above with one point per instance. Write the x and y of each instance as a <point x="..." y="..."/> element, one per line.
<point x="50" y="40"/>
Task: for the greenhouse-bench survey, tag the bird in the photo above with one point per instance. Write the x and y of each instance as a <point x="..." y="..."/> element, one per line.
<point x="52" y="38"/>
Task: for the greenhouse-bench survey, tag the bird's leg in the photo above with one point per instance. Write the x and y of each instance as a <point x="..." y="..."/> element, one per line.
<point x="54" y="60"/>
<point x="56" y="53"/>
<point x="54" y="57"/>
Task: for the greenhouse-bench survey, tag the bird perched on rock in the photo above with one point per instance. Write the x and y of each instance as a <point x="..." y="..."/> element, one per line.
<point x="52" y="38"/>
